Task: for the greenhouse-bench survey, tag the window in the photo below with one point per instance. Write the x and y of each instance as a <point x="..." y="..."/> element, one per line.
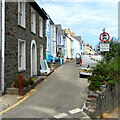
<point x="33" y="20"/>
<point x="21" y="13"/>
<point x="81" y="46"/>
<point x="21" y="55"/>
<point x="40" y="27"/>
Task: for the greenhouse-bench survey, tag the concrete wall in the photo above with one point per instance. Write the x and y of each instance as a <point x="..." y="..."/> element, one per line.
<point x="13" y="32"/>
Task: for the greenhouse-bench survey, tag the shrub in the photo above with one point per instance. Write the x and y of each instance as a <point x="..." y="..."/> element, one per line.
<point x="106" y="71"/>
<point x="25" y="82"/>
<point x="30" y="80"/>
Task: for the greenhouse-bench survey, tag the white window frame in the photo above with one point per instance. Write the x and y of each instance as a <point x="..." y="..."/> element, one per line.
<point x="33" y="20"/>
<point x="22" y="61"/>
<point x="40" y="26"/>
<point x="21" y="13"/>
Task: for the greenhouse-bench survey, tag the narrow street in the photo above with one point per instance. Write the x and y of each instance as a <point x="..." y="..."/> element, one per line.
<point x="62" y="94"/>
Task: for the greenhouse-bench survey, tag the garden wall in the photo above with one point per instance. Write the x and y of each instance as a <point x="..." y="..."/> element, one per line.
<point x="102" y="101"/>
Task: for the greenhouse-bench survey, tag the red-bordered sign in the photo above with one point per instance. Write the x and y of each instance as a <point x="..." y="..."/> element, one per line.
<point x="104" y="37"/>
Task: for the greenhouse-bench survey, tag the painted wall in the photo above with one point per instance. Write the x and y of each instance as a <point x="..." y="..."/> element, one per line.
<point x="68" y="47"/>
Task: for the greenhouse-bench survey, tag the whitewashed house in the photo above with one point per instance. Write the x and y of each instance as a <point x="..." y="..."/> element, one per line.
<point x="49" y="39"/>
<point x="81" y="44"/>
<point x="53" y="43"/>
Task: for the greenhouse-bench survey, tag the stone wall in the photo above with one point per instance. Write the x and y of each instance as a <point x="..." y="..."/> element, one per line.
<point x="13" y="32"/>
<point x="102" y="101"/>
<point x="0" y="41"/>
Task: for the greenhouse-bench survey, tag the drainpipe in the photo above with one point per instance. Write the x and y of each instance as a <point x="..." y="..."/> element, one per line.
<point x="3" y="44"/>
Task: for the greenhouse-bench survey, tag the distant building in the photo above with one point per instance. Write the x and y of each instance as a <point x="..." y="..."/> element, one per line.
<point x="81" y="44"/>
<point x="74" y="44"/>
<point x="89" y="50"/>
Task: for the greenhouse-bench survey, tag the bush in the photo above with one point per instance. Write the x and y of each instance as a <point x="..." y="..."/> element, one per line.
<point x="106" y="71"/>
<point x="25" y="82"/>
<point x="30" y="80"/>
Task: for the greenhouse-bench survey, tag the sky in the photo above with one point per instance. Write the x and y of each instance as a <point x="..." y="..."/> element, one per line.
<point x="86" y="18"/>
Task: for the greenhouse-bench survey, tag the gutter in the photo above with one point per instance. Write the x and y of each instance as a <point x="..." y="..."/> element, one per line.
<point x="3" y="44"/>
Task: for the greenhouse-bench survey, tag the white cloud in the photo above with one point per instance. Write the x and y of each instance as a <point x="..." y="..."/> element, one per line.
<point x="75" y="1"/>
<point x="85" y="19"/>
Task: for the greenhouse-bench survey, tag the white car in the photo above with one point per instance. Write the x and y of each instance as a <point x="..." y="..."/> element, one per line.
<point x="86" y="62"/>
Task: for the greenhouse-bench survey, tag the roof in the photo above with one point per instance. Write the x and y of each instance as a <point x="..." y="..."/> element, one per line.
<point x="78" y="38"/>
<point x="41" y="11"/>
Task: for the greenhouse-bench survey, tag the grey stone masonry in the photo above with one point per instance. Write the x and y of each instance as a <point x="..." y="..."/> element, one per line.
<point x="102" y="101"/>
<point x="13" y="32"/>
<point x="0" y="40"/>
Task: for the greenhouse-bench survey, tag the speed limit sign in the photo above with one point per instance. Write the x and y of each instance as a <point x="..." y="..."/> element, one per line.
<point x="104" y="37"/>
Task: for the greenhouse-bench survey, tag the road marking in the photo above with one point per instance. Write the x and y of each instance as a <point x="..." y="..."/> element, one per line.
<point x="61" y="115"/>
<point x="13" y="105"/>
<point x="77" y="110"/>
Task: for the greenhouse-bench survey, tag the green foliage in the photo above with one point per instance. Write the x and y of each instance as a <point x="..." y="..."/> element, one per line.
<point x="30" y="80"/>
<point x="26" y="82"/>
<point x="108" y="70"/>
<point x="16" y="84"/>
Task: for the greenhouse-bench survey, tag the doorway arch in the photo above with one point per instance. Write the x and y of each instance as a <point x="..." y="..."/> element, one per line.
<point x="33" y="58"/>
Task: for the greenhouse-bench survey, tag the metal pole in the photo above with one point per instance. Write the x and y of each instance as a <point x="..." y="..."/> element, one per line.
<point x="20" y="81"/>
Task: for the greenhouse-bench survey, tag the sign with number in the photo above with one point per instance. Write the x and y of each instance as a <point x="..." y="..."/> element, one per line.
<point x="104" y="37"/>
<point x="104" y="46"/>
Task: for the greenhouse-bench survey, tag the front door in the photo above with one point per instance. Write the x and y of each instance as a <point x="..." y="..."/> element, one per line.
<point x="33" y="59"/>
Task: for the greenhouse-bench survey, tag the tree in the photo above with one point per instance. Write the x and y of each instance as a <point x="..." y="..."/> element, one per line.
<point x="108" y="70"/>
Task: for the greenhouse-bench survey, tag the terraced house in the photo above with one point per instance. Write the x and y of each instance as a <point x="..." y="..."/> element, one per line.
<point x="25" y="42"/>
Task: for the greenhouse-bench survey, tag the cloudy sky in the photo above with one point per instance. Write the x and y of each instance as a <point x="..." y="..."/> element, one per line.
<point x="86" y="18"/>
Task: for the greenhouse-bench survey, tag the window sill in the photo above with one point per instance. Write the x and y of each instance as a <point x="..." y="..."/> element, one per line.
<point x="22" y="70"/>
<point x="21" y="26"/>
<point x="41" y="37"/>
<point x="33" y="32"/>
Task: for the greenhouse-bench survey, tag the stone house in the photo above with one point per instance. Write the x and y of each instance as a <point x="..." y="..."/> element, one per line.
<point x="25" y="41"/>
<point x="61" y="41"/>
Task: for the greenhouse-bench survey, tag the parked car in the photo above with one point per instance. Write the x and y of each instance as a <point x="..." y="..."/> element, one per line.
<point x="86" y="62"/>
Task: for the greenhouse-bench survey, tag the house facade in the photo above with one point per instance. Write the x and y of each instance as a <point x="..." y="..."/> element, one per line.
<point x="81" y="44"/>
<point x="74" y="44"/>
<point x="25" y="42"/>
<point x="53" y="45"/>
<point x="61" y="41"/>
<point x="49" y="23"/>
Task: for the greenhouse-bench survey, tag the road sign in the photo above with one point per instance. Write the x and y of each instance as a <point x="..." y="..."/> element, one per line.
<point x="104" y="37"/>
<point x="104" y="46"/>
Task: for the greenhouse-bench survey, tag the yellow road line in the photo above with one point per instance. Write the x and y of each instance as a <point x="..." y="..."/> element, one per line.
<point x="24" y="98"/>
<point x="13" y="105"/>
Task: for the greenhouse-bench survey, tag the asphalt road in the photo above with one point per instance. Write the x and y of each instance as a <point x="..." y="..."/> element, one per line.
<point x="61" y="92"/>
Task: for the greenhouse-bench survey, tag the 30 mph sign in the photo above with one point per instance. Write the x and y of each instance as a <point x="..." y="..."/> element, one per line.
<point x="104" y="37"/>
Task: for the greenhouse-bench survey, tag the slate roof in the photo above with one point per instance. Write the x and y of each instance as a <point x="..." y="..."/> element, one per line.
<point x="78" y="38"/>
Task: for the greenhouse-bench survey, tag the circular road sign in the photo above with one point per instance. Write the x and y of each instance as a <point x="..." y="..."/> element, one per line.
<point x="104" y="36"/>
